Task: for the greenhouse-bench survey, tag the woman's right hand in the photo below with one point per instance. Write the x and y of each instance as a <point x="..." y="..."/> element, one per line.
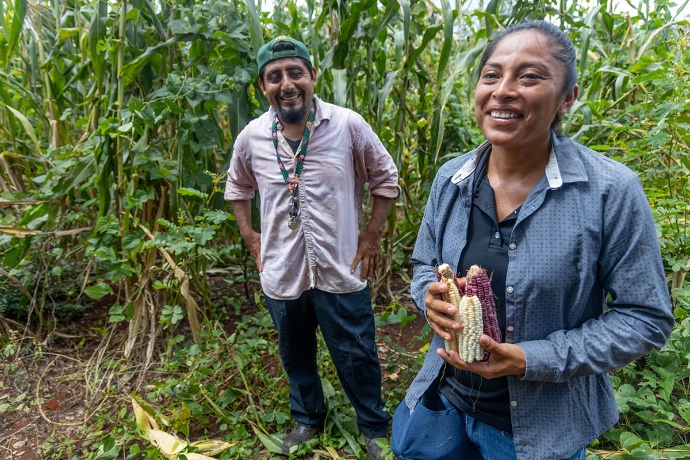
<point x="439" y="312"/>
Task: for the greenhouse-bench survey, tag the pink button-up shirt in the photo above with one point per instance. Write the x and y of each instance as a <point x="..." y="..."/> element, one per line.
<point x="343" y="154"/>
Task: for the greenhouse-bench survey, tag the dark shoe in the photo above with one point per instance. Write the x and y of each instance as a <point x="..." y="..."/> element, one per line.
<point x="298" y="436"/>
<point x="375" y="451"/>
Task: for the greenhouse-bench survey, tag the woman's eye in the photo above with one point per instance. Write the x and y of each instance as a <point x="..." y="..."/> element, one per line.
<point x="531" y="76"/>
<point x="489" y="76"/>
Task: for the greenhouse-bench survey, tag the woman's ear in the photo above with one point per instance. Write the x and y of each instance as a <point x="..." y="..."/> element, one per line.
<point x="568" y="101"/>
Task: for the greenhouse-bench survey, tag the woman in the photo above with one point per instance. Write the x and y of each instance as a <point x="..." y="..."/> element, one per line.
<point x="569" y="239"/>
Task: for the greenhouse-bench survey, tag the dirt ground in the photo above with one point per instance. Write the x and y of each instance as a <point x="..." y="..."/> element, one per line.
<point x="46" y="397"/>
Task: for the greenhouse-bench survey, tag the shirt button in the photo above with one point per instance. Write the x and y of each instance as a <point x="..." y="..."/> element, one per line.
<point x="509" y="328"/>
<point x="512" y="245"/>
<point x="509" y="289"/>
<point x="513" y="403"/>
<point x="497" y="235"/>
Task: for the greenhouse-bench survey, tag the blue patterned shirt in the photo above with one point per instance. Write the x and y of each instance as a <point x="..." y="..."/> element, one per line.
<point x="585" y="290"/>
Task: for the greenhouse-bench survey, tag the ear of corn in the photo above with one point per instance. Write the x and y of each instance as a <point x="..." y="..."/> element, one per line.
<point x="452" y="296"/>
<point x="478" y="284"/>
<point x="476" y="312"/>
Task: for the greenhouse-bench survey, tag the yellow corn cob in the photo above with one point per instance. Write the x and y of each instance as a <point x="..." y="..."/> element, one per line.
<point x="451" y="296"/>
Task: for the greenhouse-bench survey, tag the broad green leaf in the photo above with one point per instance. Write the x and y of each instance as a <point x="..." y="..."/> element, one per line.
<point x="185" y="191"/>
<point x="657" y="74"/>
<point x="98" y="291"/>
<point x="630" y="441"/>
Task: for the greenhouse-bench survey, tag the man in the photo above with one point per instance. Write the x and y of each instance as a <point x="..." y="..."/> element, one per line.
<point x="309" y="160"/>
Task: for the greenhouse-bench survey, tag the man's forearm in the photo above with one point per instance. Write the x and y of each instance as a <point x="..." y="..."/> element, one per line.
<point x="242" y="209"/>
<point x="379" y="215"/>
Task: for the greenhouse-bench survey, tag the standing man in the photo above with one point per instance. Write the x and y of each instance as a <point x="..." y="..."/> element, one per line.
<point x="309" y="160"/>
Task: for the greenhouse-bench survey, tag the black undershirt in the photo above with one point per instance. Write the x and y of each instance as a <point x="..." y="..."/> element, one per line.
<point x="486" y="400"/>
<point x="293" y="144"/>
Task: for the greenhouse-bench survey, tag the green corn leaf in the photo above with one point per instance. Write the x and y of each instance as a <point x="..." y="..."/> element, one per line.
<point x="447" y="40"/>
<point x="132" y="69"/>
<point x="272" y="444"/>
<point x="17" y="24"/>
<point x="339" y="86"/>
<point x="254" y="26"/>
<point x="151" y="13"/>
<point x="407" y="18"/>
<point x="463" y="63"/>
<point x="391" y="11"/>
<point x="2" y="20"/>
<point x="26" y="124"/>
<point x="429" y="35"/>
<point x="347" y="30"/>
<point x="386" y="89"/>
<point x="492" y="10"/>
<point x="652" y="36"/>
<point x="97" y="31"/>
<point x="585" y="34"/>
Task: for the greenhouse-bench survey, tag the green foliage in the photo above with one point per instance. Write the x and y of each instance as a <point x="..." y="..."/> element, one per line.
<point x="117" y="121"/>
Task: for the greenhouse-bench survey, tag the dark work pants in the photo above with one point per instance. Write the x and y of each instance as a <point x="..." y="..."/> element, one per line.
<point x="347" y="325"/>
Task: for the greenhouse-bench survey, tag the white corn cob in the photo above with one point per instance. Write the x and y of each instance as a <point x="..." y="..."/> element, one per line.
<point x="472" y="327"/>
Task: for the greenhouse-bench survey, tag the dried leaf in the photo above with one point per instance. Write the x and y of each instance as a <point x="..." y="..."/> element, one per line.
<point x="144" y="421"/>
<point x="169" y="445"/>
<point x="210" y="446"/>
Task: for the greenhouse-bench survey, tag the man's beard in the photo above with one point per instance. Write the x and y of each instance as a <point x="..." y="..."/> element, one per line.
<point x="292" y="115"/>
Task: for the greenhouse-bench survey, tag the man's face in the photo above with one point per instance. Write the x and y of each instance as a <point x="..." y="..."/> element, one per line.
<point x="289" y="87"/>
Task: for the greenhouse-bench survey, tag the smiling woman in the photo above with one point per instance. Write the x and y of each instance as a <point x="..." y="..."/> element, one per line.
<point x="561" y="228"/>
<point x="520" y="94"/>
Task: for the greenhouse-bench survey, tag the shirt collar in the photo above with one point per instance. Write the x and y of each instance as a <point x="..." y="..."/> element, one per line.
<point x="564" y="163"/>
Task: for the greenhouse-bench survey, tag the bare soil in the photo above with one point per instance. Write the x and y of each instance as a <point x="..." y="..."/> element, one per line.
<point x="46" y="397"/>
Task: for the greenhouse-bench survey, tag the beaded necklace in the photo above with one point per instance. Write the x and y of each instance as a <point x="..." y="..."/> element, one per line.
<point x="294" y="183"/>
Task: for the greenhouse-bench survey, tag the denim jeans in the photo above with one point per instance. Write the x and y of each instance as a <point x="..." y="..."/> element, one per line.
<point x="347" y="324"/>
<point x="438" y="431"/>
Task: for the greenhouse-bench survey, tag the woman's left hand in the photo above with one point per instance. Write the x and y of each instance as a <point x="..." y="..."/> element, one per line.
<point x="505" y="359"/>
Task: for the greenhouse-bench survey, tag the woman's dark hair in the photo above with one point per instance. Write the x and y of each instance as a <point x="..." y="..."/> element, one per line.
<point x="561" y="48"/>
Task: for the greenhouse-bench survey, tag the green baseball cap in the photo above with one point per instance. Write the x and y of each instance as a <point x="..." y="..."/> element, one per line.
<point x="266" y="53"/>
